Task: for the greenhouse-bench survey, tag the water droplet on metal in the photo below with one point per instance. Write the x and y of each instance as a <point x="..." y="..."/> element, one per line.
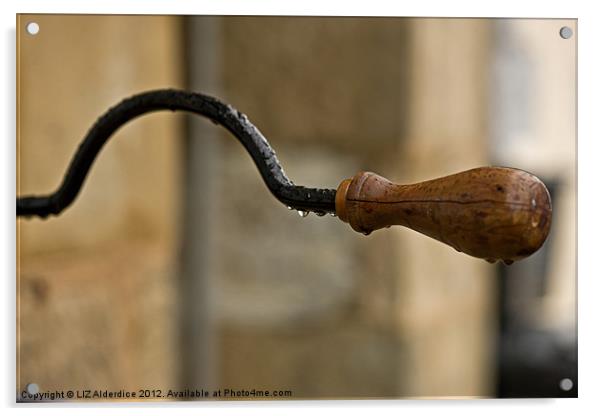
<point x="533" y="203"/>
<point x="243" y="116"/>
<point x="290" y="208"/>
<point x="308" y="196"/>
<point x="302" y="213"/>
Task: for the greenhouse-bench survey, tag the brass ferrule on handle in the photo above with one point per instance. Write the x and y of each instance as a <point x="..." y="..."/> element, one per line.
<point x="492" y="213"/>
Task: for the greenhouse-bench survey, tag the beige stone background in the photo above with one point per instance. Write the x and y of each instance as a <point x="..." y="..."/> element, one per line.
<point x="305" y="305"/>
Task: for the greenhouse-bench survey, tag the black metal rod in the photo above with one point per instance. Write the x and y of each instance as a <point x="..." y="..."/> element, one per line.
<point x="296" y="197"/>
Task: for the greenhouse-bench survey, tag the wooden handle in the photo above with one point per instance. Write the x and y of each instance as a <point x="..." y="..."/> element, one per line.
<point x="491" y="213"/>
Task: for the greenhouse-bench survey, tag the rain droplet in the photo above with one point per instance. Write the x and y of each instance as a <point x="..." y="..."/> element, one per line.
<point x="533" y="203"/>
<point x="290" y="208"/>
<point x="308" y="196"/>
<point x="302" y="213"/>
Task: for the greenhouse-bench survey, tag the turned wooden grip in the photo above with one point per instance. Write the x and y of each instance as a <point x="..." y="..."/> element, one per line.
<point x="491" y="213"/>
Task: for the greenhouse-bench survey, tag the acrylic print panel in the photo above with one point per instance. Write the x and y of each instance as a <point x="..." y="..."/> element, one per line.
<point x="175" y="273"/>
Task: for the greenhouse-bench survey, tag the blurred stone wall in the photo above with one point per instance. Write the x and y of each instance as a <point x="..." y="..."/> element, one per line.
<point x="534" y="126"/>
<point x="539" y="133"/>
<point x="96" y="284"/>
<point x="301" y="308"/>
<point x="308" y="304"/>
<point x="446" y="300"/>
<point x="301" y="304"/>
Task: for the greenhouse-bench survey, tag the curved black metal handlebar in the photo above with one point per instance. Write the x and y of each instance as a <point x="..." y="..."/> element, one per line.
<point x="303" y="199"/>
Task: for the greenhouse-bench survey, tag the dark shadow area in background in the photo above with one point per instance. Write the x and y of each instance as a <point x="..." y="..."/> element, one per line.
<point x="531" y="362"/>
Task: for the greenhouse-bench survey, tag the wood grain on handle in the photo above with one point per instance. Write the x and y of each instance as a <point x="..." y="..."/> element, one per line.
<point x="491" y="212"/>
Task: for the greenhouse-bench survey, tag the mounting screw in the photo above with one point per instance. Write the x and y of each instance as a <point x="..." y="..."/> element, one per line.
<point x="32" y="28"/>
<point x="32" y="388"/>
<point x="566" y="32"/>
<point x="566" y="384"/>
